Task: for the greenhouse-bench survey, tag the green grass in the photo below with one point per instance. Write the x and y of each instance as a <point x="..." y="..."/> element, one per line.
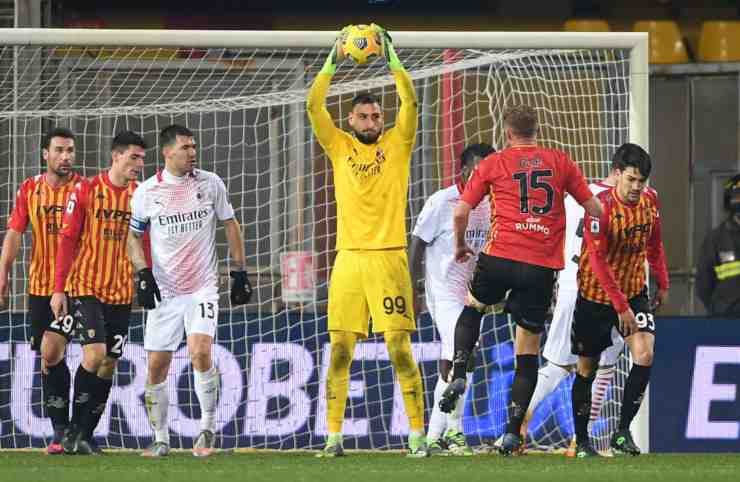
<point x="356" y="467"/>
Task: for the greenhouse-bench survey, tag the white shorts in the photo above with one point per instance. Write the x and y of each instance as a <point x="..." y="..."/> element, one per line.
<point x="557" y="347"/>
<point x="184" y="314"/>
<point x="445" y="315"/>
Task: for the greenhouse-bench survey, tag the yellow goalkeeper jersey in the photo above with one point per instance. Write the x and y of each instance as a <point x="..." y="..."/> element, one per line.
<point x="370" y="181"/>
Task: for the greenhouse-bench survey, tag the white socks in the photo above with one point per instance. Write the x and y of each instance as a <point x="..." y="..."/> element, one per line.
<point x="598" y="390"/>
<point x="438" y="419"/>
<point x="206" y="388"/>
<point x="157" y="403"/>
<point x="548" y="379"/>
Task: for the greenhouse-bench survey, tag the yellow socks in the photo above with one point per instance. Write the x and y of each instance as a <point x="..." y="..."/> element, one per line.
<point x="337" y="381"/>
<point x="409" y="377"/>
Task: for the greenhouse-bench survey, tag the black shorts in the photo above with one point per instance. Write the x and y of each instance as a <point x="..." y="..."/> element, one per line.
<point x="591" y="332"/>
<point x="530" y="285"/>
<point x="99" y="322"/>
<point x="42" y="319"/>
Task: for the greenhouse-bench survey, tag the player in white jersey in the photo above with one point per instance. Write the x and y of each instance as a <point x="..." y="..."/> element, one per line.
<point x="446" y="286"/>
<point x="180" y="207"/>
<point x="557" y="350"/>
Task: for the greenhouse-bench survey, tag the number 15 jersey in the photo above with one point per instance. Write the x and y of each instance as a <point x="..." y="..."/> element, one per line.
<point x="527" y="185"/>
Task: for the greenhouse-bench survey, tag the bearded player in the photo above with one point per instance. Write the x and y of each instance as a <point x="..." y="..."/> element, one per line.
<point x="370" y="276"/>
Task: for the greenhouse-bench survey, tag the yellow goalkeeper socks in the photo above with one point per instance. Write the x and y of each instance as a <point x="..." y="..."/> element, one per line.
<point x="337" y="381"/>
<point x="409" y="377"/>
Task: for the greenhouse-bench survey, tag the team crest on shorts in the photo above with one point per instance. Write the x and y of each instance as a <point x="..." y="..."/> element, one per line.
<point x="91" y="333"/>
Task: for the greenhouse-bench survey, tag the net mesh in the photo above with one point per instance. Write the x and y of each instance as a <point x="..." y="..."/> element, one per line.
<point x="246" y="107"/>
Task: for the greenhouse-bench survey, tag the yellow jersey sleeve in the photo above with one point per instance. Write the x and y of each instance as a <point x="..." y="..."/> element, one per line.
<point x="407" y="119"/>
<point x="321" y="122"/>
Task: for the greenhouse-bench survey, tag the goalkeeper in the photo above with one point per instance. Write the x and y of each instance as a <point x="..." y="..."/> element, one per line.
<point x="370" y="277"/>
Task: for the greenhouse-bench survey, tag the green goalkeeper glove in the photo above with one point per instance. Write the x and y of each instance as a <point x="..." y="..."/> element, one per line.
<point x="394" y="63"/>
<point x="330" y="65"/>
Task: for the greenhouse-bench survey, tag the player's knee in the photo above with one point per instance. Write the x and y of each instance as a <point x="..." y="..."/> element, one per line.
<point x="643" y="356"/>
<point x="201" y="359"/>
<point x="93" y="356"/>
<point x="107" y="367"/>
<point x="52" y="351"/>
<point x="342" y="350"/>
<point x="340" y="356"/>
<point x="587" y="367"/>
<point x="156" y="370"/>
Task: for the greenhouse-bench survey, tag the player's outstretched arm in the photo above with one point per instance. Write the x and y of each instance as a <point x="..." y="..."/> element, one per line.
<point x="11" y="246"/>
<point x="407" y="121"/>
<point x="577" y="187"/>
<point x="593" y="207"/>
<point x="241" y="289"/>
<point x="321" y="121"/>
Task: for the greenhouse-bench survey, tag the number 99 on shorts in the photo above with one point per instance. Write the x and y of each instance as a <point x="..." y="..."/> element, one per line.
<point x="394" y="305"/>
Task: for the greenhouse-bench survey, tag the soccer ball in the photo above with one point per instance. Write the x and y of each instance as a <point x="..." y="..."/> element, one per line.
<point x="362" y="44"/>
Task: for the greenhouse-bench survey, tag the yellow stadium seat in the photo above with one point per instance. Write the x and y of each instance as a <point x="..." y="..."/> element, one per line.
<point x="719" y="41"/>
<point x="666" y="43"/>
<point x="586" y="25"/>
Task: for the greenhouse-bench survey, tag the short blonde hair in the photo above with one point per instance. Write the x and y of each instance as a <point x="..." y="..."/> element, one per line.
<point x="522" y="119"/>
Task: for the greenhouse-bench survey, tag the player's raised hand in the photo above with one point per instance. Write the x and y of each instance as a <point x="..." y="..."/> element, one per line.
<point x="58" y="304"/>
<point x="463" y="253"/>
<point x="389" y="52"/>
<point x="241" y="290"/>
<point x="147" y="290"/>
<point x="336" y="54"/>
<point x="383" y="33"/>
<point x="627" y="323"/>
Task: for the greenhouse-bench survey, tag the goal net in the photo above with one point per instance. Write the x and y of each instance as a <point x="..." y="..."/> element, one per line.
<point x="243" y="94"/>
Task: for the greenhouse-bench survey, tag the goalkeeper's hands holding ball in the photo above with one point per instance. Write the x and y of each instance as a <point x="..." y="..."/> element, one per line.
<point x="147" y="290"/>
<point x="336" y="54"/>
<point x="389" y="52"/>
<point x="241" y="290"/>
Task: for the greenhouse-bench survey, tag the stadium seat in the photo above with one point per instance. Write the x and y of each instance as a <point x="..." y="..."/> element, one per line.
<point x="666" y="43"/>
<point x="719" y="41"/>
<point x="586" y="25"/>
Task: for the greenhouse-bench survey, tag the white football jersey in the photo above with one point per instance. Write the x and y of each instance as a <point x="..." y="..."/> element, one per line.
<point x="574" y="213"/>
<point x="446" y="279"/>
<point x="180" y="214"/>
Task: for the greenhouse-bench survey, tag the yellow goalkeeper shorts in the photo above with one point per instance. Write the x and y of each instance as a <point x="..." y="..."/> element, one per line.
<point x="371" y="286"/>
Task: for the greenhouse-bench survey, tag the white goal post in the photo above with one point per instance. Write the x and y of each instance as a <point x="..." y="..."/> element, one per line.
<point x="243" y="93"/>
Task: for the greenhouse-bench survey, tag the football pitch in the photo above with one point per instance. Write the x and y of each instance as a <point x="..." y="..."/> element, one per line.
<point x="355" y="467"/>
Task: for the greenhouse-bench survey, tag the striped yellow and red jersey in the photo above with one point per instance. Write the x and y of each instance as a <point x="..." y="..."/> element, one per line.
<point x="612" y="264"/>
<point x="41" y="205"/>
<point x="93" y="260"/>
